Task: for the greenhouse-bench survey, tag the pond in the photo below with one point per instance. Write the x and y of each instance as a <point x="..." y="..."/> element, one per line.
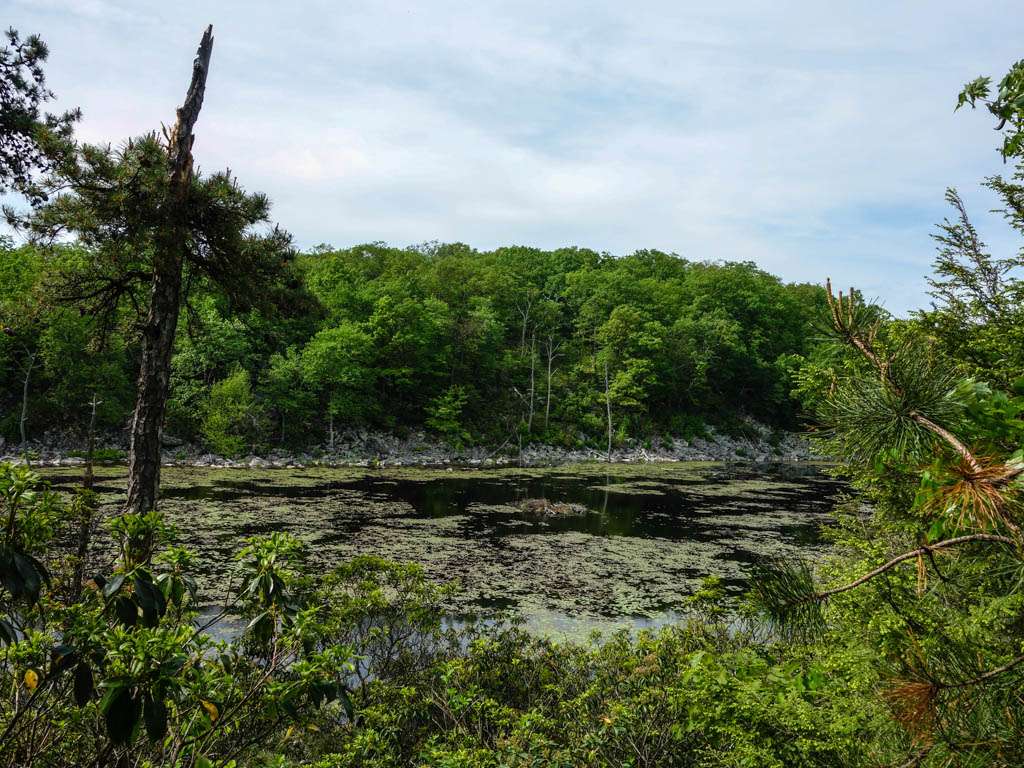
<point x="647" y="536"/>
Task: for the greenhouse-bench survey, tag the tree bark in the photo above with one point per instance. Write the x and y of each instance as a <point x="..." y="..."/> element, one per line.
<point x="86" y="509"/>
<point x="547" y="399"/>
<point x="85" y="522"/>
<point x="165" y="300"/>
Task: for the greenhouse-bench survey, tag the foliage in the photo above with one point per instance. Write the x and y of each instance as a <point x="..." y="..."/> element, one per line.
<point x="1007" y="105"/>
<point x="123" y="670"/>
<point x="361" y="663"/>
<point x="387" y="334"/>
<point x="27" y="136"/>
<point x="926" y="591"/>
<point x="978" y="317"/>
<point x="117" y="208"/>
<point x="231" y="419"/>
<point x="444" y="415"/>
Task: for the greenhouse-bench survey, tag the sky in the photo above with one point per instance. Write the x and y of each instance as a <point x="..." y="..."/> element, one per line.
<point x="813" y="138"/>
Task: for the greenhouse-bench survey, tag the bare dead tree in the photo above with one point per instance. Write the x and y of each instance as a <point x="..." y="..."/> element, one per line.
<point x="608" y="408"/>
<point x="165" y="299"/>
<point x="29" y="365"/>
<point x="524" y="306"/>
<point x="84" y="505"/>
<point x="533" y="381"/>
<point x="551" y="349"/>
<point x="87" y="481"/>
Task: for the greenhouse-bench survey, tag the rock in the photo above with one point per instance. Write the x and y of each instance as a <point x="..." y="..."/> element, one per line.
<point x="543" y="508"/>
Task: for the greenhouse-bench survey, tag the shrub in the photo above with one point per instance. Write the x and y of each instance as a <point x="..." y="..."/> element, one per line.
<point x="444" y="416"/>
<point x="231" y="420"/>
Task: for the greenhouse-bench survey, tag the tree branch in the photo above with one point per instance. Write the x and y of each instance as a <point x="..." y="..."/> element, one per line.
<point x="927" y="549"/>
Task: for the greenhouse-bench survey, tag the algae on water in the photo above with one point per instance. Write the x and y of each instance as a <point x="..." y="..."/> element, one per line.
<point x="649" y="535"/>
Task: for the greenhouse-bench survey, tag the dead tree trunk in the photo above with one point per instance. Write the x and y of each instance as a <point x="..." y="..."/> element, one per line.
<point x="533" y="379"/>
<point x="552" y="354"/>
<point x="24" y="402"/>
<point x="85" y="507"/>
<point x="608" y="408"/>
<point x="87" y="481"/>
<point x="165" y="299"/>
<point x="524" y="306"/>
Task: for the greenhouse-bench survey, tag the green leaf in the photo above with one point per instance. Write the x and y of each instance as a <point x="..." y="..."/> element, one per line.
<point x="155" y="716"/>
<point x="32" y="580"/>
<point x="127" y="611"/>
<point x="83" y="684"/>
<point x="143" y="594"/>
<point x="346" y="703"/>
<point x="61" y="658"/>
<point x="936" y="531"/>
<point x="814" y="679"/>
<point x="121" y="713"/>
<point x="8" y="635"/>
<point x="111" y="587"/>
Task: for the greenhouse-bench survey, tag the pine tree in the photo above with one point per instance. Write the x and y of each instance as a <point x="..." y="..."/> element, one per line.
<point x="935" y="586"/>
<point x="152" y="230"/>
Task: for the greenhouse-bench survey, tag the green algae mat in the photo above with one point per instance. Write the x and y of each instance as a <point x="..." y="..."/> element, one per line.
<point x="648" y="534"/>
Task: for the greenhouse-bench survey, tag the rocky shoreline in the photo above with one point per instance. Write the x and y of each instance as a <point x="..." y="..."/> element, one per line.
<point x="359" y="448"/>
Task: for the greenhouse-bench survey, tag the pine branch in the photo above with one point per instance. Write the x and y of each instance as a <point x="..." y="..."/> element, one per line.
<point x="986" y="676"/>
<point x="950" y="438"/>
<point x="785" y="591"/>
<point x="923" y="550"/>
<point x="844" y="321"/>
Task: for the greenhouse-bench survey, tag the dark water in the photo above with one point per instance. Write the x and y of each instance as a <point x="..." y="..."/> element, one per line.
<point x="665" y="508"/>
<point x="649" y="533"/>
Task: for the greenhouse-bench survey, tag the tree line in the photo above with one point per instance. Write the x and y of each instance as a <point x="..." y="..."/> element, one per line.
<point x="515" y="344"/>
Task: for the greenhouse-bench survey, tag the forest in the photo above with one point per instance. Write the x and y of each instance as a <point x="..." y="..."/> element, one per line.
<point x="482" y="347"/>
<point x="148" y="295"/>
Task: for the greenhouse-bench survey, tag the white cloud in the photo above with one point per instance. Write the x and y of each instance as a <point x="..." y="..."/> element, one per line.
<point x="812" y="138"/>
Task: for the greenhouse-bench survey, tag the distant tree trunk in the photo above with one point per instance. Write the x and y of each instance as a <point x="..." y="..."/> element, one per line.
<point x="24" y="402"/>
<point x="87" y="481"/>
<point x="85" y="522"/>
<point x="547" y="398"/>
<point x="608" y="408"/>
<point x="524" y="312"/>
<point x="330" y="422"/>
<point x="533" y="360"/>
<point x="552" y="350"/>
<point x="165" y="299"/>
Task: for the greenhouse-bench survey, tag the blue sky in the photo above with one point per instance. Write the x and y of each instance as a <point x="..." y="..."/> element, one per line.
<point x="813" y="138"/>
